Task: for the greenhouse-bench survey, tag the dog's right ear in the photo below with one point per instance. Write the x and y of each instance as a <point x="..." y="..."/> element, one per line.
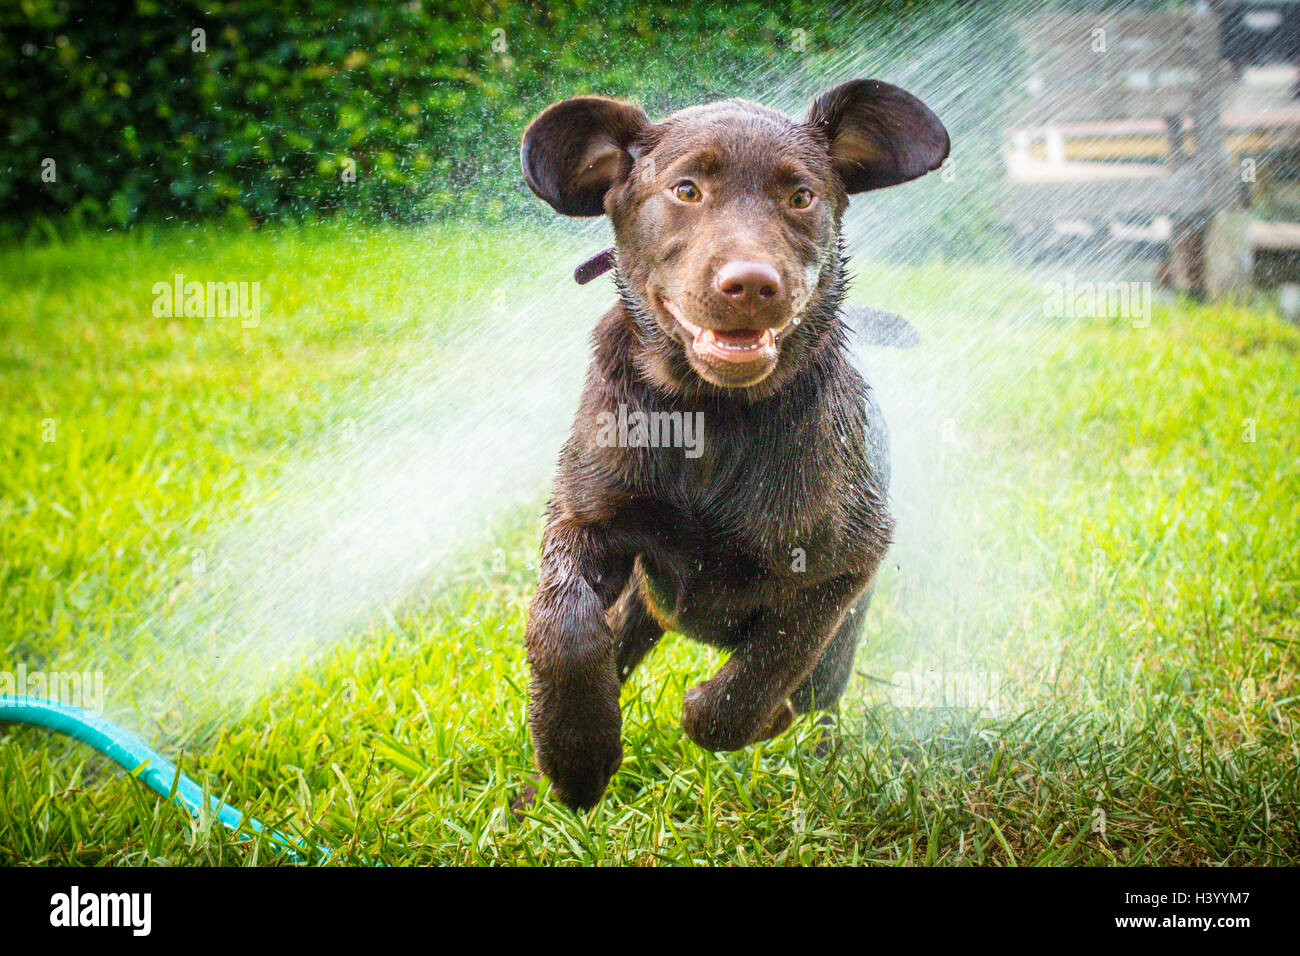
<point x="877" y="134"/>
<point x="575" y="150"/>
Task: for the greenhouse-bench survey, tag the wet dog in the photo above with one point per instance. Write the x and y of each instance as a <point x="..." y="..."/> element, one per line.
<point x="763" y="533"/>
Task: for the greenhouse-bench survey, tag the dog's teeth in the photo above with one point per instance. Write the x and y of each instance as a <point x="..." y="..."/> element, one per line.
<point x="707" y="340"/>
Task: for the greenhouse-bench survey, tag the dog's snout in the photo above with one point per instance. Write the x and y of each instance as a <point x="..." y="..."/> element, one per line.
<point x="748" y="283"/>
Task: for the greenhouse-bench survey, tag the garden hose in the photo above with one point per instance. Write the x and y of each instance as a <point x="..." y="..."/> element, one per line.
<point x="137" y="758"/>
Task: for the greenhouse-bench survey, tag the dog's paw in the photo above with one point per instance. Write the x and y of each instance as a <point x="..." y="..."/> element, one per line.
<point x="824" y="735"/>
<point x="716" y="723"/>
<point x="579" y="744"/>
<point x="524" y="802"/>
<point x="580" y="775"/>
<point x="778" y="722"/>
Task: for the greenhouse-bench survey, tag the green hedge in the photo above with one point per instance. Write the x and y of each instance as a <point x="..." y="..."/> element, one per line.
<point x="263" y="122"/>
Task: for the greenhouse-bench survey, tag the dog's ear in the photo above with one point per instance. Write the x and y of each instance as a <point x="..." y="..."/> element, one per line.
<point x="575" y="150"/>
<point x="877" y="134"/>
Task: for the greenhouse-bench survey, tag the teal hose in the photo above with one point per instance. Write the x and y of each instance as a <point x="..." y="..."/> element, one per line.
<point x="137" y="758"/>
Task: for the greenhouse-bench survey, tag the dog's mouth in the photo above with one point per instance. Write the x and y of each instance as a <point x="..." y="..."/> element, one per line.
<point x="739" y="346"/>
<point x="738" y="356"/>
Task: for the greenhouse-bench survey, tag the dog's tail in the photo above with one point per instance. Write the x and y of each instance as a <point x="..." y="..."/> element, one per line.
<point x="878" y="327"/>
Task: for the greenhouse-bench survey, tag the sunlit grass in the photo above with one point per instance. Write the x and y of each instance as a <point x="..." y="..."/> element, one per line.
<point x="1099" y="530"/>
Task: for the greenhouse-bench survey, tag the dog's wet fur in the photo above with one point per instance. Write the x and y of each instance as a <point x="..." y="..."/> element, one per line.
<point x="730" y="274"/>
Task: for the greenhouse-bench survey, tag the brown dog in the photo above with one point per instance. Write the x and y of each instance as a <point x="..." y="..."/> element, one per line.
<point x="727" y="472"/>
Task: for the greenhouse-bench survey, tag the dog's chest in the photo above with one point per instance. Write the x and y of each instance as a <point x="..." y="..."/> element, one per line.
<point x="710" y="572"/>
<point x="764" y="505"/>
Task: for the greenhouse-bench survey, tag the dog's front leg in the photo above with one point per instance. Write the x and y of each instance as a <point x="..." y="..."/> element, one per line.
<point x="573" y="694"/>
<point x="749" y="698"/>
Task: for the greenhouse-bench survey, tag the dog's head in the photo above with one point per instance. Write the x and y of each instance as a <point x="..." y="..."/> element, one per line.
<point x="727" y="216"/>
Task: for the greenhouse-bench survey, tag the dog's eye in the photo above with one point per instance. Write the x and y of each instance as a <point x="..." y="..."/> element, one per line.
<point x="688" y="192"/>
<point x="801" y="199"/>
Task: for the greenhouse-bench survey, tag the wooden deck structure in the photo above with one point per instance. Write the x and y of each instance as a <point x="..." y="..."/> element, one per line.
<point x="1129" y="117"/>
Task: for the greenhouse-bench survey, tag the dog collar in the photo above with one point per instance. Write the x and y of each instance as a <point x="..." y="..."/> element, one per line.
<point x="597" y="265"/>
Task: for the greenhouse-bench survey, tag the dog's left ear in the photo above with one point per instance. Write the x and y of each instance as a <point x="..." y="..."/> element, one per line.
<point x="877" y="134"/>
<point x="576" y="150"/>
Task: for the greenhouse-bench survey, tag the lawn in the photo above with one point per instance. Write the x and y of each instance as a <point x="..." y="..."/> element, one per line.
<point x="1098" y="521"/>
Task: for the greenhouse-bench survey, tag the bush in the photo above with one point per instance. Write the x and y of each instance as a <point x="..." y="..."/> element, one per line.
<point x="253" y="110"/>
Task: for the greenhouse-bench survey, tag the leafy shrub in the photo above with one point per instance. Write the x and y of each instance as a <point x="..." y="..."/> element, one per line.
<point x="255" y="110"/>
<point x="270" y="107"/>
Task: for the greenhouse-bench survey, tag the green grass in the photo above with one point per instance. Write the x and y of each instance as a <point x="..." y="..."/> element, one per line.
<point x="1091" y="526"/>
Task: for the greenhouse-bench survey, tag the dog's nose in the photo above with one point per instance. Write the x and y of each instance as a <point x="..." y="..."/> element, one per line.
<point x="748" y="283"/>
